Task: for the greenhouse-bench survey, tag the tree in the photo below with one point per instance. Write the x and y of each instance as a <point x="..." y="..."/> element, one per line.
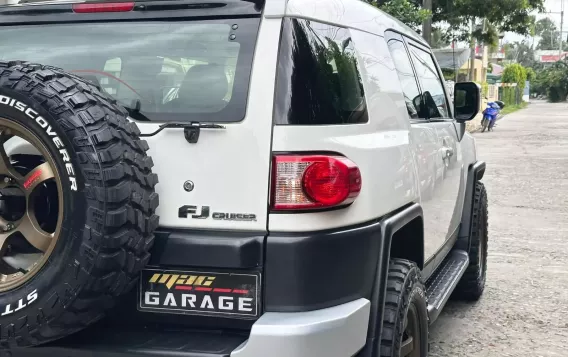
<point x="407" y="11"/>
<point x="552" y="81"/>
<point x="531" y="74"/>
<point x="519" y="52"/>
<point x="549" y="35"/>
<point x="438" y="39"/>
<point x="501" y="16"/>
<point x="515" y="73"/>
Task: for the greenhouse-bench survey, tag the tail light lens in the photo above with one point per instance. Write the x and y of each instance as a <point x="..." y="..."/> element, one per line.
<point x="103" y="7"/>
<point x="304" y="182"/>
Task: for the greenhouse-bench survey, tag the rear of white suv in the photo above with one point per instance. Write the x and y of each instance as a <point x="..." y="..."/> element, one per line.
<point x="282" y="150"/>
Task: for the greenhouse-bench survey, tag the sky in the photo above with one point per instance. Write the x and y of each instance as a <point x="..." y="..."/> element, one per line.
<point x="551" y="6"/>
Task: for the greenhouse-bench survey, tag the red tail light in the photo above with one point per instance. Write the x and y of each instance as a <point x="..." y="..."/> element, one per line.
<point x="103" y="7"/>
<point x="304" y="182"/>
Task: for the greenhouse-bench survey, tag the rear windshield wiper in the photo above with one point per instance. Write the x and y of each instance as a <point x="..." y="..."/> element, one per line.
<point x="191" y="130"/>
<point x="194" y="125"/>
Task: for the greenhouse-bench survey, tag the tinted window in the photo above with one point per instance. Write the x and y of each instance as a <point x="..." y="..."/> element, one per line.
<point x="406" y="77"/>
<point x="175" y="71"/>
<point x="434" y="97"/>
<point x="318" y="79"/>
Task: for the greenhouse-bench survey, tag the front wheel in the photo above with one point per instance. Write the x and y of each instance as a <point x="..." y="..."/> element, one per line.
<point x="405" y="319"/>
<point x="484" y="125"/>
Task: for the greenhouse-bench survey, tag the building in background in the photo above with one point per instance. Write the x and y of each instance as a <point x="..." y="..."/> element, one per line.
<point x="549" y="56"/>
<point x="450" y="59"/>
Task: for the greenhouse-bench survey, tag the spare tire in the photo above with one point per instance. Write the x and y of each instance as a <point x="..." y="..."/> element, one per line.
<point x="77" y="219"/>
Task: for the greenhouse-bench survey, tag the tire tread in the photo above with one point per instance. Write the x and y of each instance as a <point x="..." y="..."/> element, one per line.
<point x="121" y="201"/>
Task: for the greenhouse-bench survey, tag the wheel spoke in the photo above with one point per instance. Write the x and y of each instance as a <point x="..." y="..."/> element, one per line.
<point x="36" y="177"/>
<point x="6" y="167"/>
<point x="32" y="232"/>
<point x="407" y="346"/>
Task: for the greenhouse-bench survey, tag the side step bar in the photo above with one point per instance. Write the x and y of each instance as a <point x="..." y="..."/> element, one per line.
<point x="443" y="282"/>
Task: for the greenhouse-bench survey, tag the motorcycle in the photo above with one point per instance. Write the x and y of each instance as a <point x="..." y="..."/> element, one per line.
<point x="490" y="115"/>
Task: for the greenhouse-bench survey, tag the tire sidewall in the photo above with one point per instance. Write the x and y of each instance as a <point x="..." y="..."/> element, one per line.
<point x="56" y="280"/>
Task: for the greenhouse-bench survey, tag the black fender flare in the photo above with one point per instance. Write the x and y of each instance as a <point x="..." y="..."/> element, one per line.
<point x="475" y="173"/>
<point x="389" y="226"/>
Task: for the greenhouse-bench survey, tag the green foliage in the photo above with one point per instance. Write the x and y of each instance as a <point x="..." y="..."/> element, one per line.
<point x="449" y="74"/>
<point x="502" y="16"/>
<point x="509" y="96"/>
<point x="439" y="40"/>
<point x="513" y="108"/>
<point x="406" y="11"/>
<point x="519" y="52"/>
<point x="552" y="81"/>
<point x="484" y="89"/>
<point x="549" y="35"/>
<point x="531" y="74"/>
<point x="515" y="73"/>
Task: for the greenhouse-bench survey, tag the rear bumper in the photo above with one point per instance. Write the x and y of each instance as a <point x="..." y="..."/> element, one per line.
<point x="338" y="331"/>
<point x="335" y="331"/>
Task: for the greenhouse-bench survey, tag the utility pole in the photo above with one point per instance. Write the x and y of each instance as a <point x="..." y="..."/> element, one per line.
<point x="472" y="53"/>
<point x="561" y="28"/>
<point x="427" y="24"/>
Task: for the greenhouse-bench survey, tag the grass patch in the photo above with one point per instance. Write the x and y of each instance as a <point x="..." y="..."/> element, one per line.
<point x="513" y="108"/>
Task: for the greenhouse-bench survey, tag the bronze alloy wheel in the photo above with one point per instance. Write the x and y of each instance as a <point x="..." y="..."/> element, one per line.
<point x="410" y="346"/>
<point x="31" y="207"/>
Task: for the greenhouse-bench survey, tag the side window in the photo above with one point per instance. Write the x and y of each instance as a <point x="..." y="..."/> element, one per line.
<point x="318" y="80"/>
<point x="406" y="76"/>
<point x="434" y="97"/>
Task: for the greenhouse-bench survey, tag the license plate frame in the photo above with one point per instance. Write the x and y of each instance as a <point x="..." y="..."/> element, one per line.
<point x="183" y="292"/>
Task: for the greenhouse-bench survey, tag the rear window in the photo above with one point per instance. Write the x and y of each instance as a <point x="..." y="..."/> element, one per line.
<point x="318" y="80"/>
<point x="171" y="71"/>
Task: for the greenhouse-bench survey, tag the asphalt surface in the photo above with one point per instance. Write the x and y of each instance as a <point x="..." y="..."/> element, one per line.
<point x="524" y="311"/>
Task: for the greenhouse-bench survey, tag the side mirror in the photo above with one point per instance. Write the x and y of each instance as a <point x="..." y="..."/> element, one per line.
<point x="467" y="100"/>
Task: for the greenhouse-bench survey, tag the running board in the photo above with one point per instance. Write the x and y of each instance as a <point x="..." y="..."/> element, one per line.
<point x="444" y="280"/>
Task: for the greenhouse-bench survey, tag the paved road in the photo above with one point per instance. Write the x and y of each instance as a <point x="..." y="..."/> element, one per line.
<point x="524" y="311"/>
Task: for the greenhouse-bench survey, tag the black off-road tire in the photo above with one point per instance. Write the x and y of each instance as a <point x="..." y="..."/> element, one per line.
<point x="109" y="218"/>
<point x="472" y="284"/>
<point x="404" y="288"/>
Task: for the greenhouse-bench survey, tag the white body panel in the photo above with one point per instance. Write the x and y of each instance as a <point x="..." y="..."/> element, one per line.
<point x="400" y="162"/>
<point x="380" y="148"/>
<point x="229" y="168"/>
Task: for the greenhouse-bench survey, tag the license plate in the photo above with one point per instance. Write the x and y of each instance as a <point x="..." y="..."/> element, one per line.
<point x="231" y="295"/>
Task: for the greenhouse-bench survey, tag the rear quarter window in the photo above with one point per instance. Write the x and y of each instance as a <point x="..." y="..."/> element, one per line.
<point x="318" y="79"/>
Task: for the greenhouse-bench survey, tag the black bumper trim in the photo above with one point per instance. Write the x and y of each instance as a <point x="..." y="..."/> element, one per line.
<point x="208" y="249"/>
<point x="310" y="271"/>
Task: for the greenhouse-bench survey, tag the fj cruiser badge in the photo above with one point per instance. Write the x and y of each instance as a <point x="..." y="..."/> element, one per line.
<point x="195" y="212"/>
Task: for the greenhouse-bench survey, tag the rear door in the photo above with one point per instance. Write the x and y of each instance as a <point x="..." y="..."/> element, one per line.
<point x="424" y="141"/>
<point x="449" y="157"/>
<point x="180" y="65"/>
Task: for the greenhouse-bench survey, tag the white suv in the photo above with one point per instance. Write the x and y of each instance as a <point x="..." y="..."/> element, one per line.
<point x="319" y="194"/>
